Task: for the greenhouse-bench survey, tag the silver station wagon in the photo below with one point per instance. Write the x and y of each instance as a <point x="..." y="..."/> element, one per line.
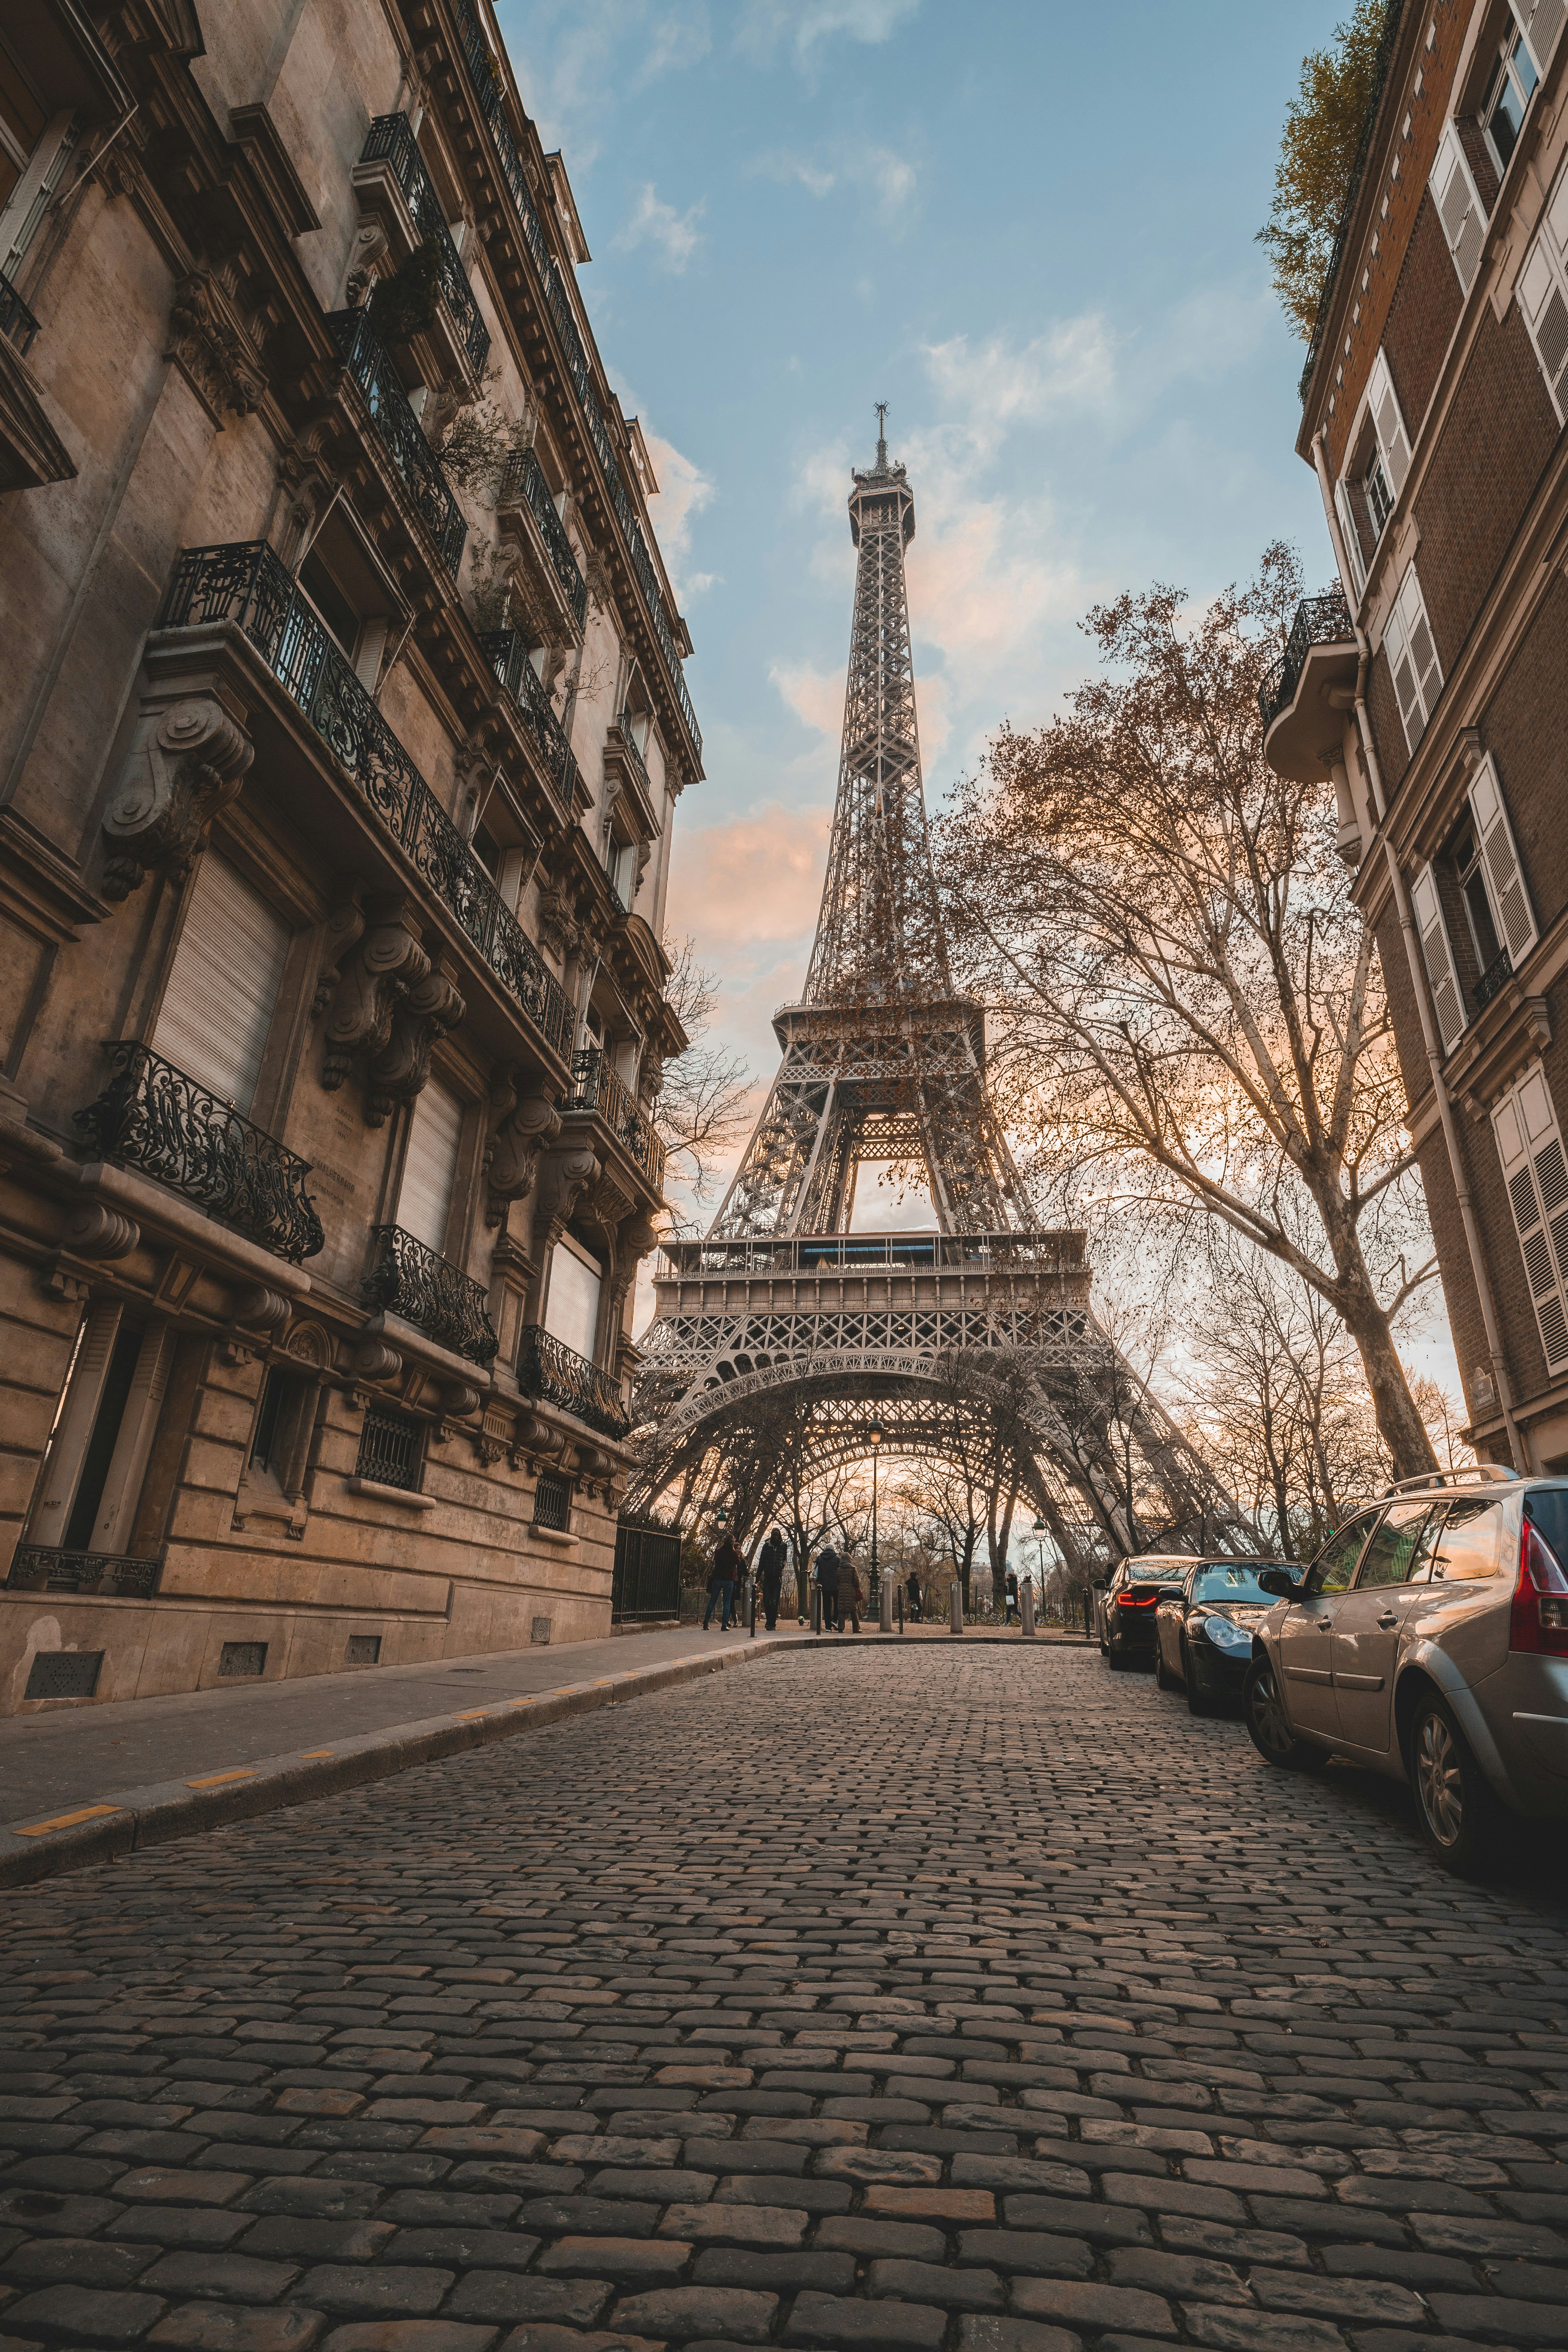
<point x="1429" y="1639"/>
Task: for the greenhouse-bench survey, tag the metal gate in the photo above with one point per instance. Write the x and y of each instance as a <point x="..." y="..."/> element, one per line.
<point x="646" y="1588"/>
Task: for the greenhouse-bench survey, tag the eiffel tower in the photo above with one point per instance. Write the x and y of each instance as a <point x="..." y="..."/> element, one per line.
<point x="883" y="1062"/>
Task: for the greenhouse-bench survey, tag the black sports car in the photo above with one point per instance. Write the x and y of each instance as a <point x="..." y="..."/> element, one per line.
<point x="1203" y="1629"/>
<point x="1126" y="1610"/>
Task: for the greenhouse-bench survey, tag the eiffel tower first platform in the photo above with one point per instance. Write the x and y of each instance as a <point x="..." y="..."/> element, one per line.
<point x="883" y="1062"/>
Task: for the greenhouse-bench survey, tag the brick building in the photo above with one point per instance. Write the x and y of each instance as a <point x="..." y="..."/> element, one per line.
<point x="340" y="732"/>
<point x="1434" y="690"/>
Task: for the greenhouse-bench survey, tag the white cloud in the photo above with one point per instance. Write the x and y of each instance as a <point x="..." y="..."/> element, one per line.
<point x="679" y="38"/>
<point x="891" y="177"/>
<point x="993" y="386"/>
<point x="675" y="237"/>
<point x="806" y="23"/>
<point x="815" y="695"/>
<point x="782" y="165"/>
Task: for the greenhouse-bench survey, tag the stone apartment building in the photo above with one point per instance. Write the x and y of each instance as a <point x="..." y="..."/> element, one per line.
<point x="342" y="728"/>
<point x="1434" y="689"/>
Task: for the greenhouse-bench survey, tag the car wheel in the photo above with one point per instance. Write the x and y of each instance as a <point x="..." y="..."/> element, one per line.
<point x="1270" y="1726"/>
<point x="1455" y="1807"/>
<point x="1163" y="1678"/>
<point x="1196" y="1703"/>
<point x="1116" y="1660"/>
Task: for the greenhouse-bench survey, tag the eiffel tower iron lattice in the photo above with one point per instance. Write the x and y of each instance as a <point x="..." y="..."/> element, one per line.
<point x="983" y="1321"/>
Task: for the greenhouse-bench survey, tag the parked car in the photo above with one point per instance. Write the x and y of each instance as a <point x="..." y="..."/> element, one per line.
<point x="1203" y="1628"/>
<point x="1124" y="1616"/>
<point x="1429" y="1639"/>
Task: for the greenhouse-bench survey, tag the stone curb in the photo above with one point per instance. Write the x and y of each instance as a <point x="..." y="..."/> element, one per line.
<point x="163" y="1810"/>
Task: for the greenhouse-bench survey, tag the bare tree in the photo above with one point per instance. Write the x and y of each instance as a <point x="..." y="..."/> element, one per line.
<point x="700" y="1111"/>
<point x="1187" y="1004"/>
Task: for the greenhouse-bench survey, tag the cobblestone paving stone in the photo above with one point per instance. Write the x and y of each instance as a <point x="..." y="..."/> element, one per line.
<point x="925" y="2001"/>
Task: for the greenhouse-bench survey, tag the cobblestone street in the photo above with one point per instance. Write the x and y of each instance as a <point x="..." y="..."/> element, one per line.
<point x="909" y="1998"/>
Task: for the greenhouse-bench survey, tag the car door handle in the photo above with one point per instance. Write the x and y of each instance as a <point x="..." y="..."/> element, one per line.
<point x="1388" y="1619"/>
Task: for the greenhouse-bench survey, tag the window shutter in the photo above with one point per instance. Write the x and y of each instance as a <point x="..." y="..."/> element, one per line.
<point x="1540" y="22"/>
<point x="1447" y="1002"/>
<point x="1388" y="423"/>
<point x="1458" y="207"/>
<point x="1356" y="584"/>
<point x="223" y="984"/>
<point x="430" y="1166"/>
<point x="1529" y="1145"/>
<point x="1541" y="297"/>
<point x="1413" y="659"/>
<point x="1510" y="901"/>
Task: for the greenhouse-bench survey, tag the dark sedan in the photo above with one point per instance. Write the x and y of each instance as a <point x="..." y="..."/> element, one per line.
<point x="1203" y="1629"/>
<point x="1126" y="1611"/>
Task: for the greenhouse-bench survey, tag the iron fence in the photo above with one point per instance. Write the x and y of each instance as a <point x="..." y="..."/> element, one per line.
<point x="645" y="1587"/>
<point x="595" y="1088"/>
<point x="508" y="657"/>
<point x="392" y="141"/>
<point x="1319" y="621"/>
<point x="548" y="1368"/>
<point x="523" y="484"/>
<point x="393" y="418"/>
<point x="428" y="1291"/>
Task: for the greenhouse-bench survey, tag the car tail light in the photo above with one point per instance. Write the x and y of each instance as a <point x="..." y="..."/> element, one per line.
<point x="1147" y="1600"/>
<point x="1540" y="1620"/>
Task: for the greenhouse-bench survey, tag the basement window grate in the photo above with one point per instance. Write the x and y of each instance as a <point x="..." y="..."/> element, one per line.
<point x="364" y="1649"/>
<point x="63" y="1673"/>
<point x="390" y="1452"/>
<point x="243" y="1659"/>
<point x="553" y="1503"/>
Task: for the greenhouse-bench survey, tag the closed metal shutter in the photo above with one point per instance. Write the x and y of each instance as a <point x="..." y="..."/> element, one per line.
<point x="228" y="966"/>
<point x="430" y="1169"/>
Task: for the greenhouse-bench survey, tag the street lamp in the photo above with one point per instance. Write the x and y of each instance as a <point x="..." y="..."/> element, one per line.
<point x="1038" y="1532"/>
<point x="874" y="1436"/>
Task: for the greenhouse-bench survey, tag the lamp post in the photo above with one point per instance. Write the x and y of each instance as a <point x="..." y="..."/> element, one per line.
<point x="1038" y="1531"/>
<point x="874" y="1436"/>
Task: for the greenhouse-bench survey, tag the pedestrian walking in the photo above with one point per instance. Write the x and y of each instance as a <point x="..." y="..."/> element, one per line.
<point x="721" y="1583"/>
<point x="829" y="1565"/>
<point x="1011" y="1589"/>
<point x="912" y="1596"/>
<point x="848" y="1595"/>
<point x="775" y="1552"/>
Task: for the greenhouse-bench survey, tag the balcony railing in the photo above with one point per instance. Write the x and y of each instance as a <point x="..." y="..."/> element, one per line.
<point x="428" y="1291"/>
<point x="1497" y="972"/>
<point x="595" y="1088"/>
<point x="17" y="324"/>
<point x="487" y="84"/>
<point x="627" y="746"/>
<point x="523" y="484"/>
<point x="556" y="1374"/>
<point x="392" y="141"/>
<point x="398" y="426"/>
<point x="151" y="1117"/>
<point x="44" y="1568"/>
<point x="247" y="584"/>
<point x="507" y="656"/>
<point x="1319" y="621"/>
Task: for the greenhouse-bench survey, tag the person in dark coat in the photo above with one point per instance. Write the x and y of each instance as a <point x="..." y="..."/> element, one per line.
<point x="827" y="1567"/>
<point x="721" y="1583"/>
<point x="1011" y="1589"/>
<point x="774" y="1553"/>
<point x="912" y="1595"/>
<point x="848" y="1595"/>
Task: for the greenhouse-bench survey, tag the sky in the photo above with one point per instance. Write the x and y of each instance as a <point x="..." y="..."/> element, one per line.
<point x="1029" y="229"/>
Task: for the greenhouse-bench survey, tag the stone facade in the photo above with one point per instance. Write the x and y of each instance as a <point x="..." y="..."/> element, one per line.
<point x="341" y="734"/>
<point x="1435" y="695"/>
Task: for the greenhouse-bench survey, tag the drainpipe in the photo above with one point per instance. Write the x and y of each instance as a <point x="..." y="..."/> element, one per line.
<point x="1418" y="981"/>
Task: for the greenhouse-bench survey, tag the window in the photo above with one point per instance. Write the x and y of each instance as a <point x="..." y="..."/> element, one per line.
<point x="1544" y="297"/>
<point x="1379" y="501"/>
<point x="1479" y="870"/>
<point x="1399" y="1551"/>
<point x="430" y="1166"/>
<point x="353" y="597"/>
<point x="553" y="1503"/>
<point x="331" y="603"/>
<point x="1529" y="1145"/>
<point x="572" y="1305"/>
<point x="391" y="1449"/>
<point x="1437" y="955"/>
<point x="223" y="984"/>
<point x="98" y="1456"/>
<point x="1507" y="94"/>
<point x="1458" y="206"/>
<point x="1412" y="659"/>
<point x="1498" y="868"/>
<point x="1335" y="1565"/>
<point x="281" y="1435"/>
<point x="34" y="140"/>
<point x="1540" y="22"/>
<point x="1465" y="1545"/>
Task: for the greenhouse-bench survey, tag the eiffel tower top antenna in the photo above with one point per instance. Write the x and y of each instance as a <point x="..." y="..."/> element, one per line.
<point x="881" y="435"/>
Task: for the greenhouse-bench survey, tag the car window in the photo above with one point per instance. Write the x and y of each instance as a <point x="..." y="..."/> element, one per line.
<point x="1335" y="1565"/>
<point x="1395" y="1549"/>
<point x="1547" y="1506"/>
<point x="1470" y="1545"/>
<point x="1229" y="1584"/>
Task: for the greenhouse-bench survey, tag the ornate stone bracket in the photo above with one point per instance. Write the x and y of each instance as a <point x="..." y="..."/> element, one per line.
<point x="185" y="764"/>
<point x="558" y="927"/>
<point x="210" y="342"/>
<point x="387" y="999"/>
<point x="525" y="1124"/>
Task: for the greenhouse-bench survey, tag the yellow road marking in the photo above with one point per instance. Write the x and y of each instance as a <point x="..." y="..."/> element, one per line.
<point x="317" y="1751"/>
<point x="469" y="1712"/>
<point x="68" y="1821"/>
<point x="235" y="1772"/>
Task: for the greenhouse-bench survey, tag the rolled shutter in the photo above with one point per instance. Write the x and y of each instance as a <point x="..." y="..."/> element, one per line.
<point x="1529" y="1145"/>
<point x="223" y="984"/>
<point x="1505" y="877"/>
<point x="1540" y="22"/>
<point x="1388" y="423"/>
<point x="1458" y="207"/>
<point x="430" y="1166"/>
<point x="1545" y="308"/>
<point x="1447" y="1002"/>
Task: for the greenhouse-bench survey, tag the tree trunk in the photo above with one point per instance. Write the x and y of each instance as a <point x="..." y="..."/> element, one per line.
<point x="1399" y="1424"/>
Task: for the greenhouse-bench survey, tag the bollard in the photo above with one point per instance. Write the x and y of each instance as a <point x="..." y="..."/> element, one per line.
<point x="754" y="1609"/>
<point x="900" y="1608"/>
<point x="955" y="1607"/>
<point x="887" y="1604"/>
<point x="1027" y="1598"/>
<point x="817" y="1608"/>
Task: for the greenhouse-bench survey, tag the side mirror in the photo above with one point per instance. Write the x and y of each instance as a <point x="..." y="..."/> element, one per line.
<point x="1280" y="1582"/>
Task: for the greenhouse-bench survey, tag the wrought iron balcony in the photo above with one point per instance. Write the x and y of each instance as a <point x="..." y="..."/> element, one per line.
<point x="1319" y="621"/>
<point x="431" y="1293"/>
<point x="392" y="141"/>
<point x="488" y="90"/>
<point x="151" y="1117"/>
<point x="1498" y="971"/>
<point x="17" y="324"/>
<point x="507" y="656"/>
<point x="624" y="744"/>
<point x="44" y="1568"/>
<point x="398" y="426"/>
<point x="523" y="484"/>
<point x="247" y="584"/>
<point x="556" y="1374"/>
<point x="595" y="1088"/>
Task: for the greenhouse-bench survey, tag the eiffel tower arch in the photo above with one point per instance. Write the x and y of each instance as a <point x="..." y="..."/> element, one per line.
<point x="980" y="1324"/>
